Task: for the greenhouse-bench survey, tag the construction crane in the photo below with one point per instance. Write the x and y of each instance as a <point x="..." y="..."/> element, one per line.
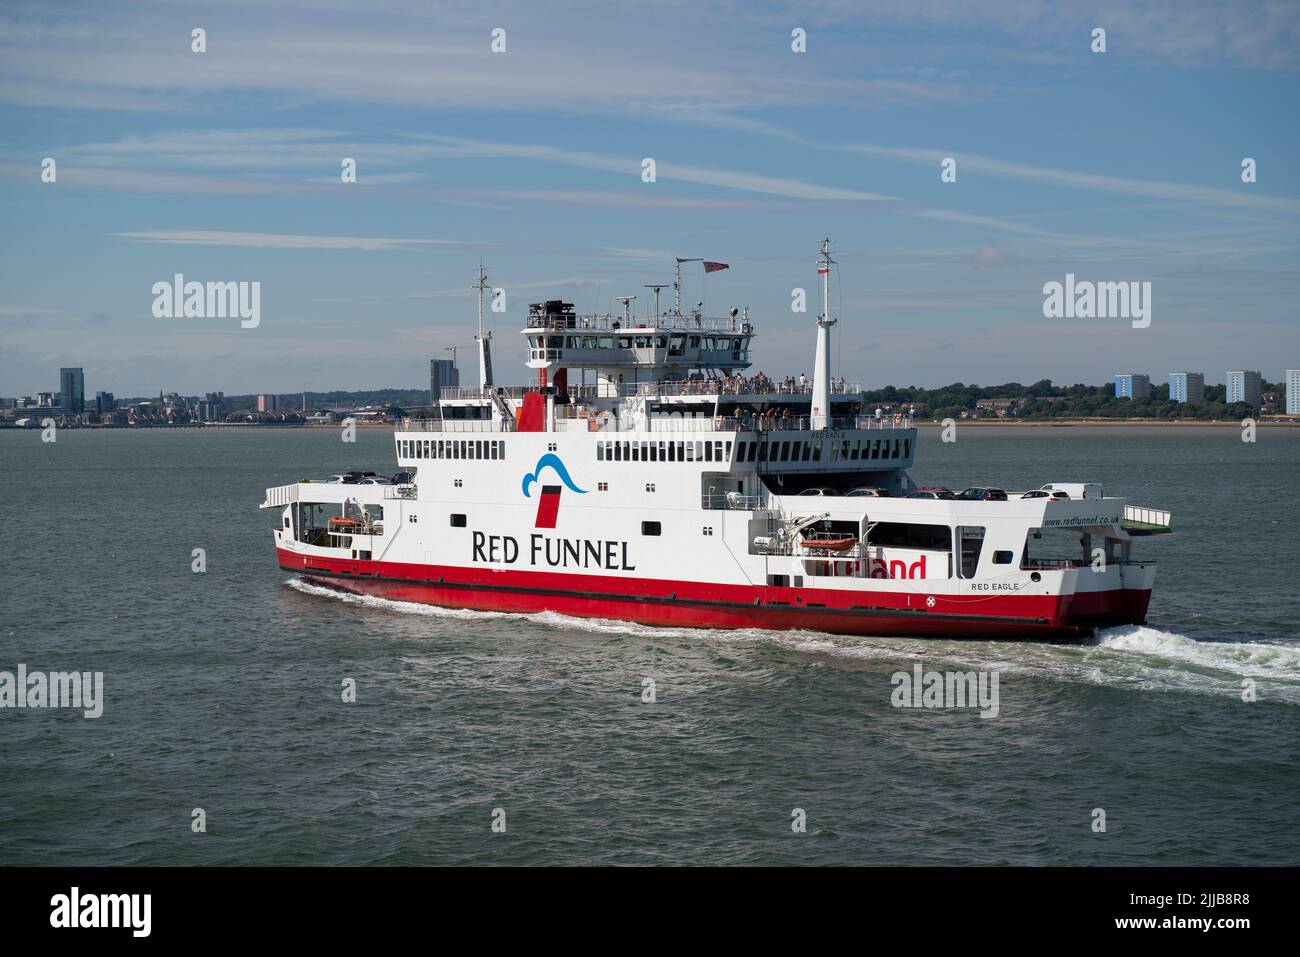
<point x="452" y="350"/>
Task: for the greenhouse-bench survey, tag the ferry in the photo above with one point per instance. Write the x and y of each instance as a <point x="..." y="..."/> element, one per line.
<point x="644" y="475"/>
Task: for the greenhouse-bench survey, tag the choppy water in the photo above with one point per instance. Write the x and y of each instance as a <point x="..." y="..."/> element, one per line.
<point x="223" y="689"/>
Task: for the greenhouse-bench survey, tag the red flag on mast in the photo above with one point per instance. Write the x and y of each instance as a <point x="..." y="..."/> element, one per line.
<point x="715" y="267"/>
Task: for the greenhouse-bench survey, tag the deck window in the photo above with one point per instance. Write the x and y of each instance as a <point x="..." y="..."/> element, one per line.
<point x="457" y="520"/>
<point x="970" y="542"/>
<point x="908" y="535"/>
<point x="651" y="528"/>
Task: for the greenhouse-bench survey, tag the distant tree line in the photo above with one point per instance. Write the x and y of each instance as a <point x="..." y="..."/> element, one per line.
<point x="1043" y="400"/>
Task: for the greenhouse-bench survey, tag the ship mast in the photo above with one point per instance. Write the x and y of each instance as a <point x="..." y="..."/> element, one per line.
<point x="677" y="284"/>
<point x="484" y="337"/>
<point x="821" y="387"/>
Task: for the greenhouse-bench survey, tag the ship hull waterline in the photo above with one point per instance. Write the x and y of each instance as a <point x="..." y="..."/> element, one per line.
<point x="697" y="605"/>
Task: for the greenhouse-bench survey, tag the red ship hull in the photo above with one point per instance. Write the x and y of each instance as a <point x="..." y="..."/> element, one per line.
<point x="709" y="605"/>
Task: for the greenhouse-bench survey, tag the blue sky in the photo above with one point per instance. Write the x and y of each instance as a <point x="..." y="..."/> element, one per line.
<point x="225" y="166"/>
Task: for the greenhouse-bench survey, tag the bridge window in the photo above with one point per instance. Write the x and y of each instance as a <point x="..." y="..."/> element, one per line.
<point x="1002" y="558"/>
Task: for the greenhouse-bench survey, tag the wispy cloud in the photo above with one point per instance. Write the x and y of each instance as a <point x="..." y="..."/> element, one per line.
<point x="1246" y="197"/>
<point x="199" y="237"/>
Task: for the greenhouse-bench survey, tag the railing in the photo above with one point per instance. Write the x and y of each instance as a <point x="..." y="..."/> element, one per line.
<point x="758" y="423"/>
<point x="280" y="496"/>
<point x="561" y="322"/>
<point x="680" y="387"/>
<point x="1137" y="517"/>
<point x="400" y="491"/>
<point x="731" y="500"/>
<point x="666" y="422"/>
<point x="800" y="423"/>
<point x="454" y="425"/>
<point x="734" y="386"/>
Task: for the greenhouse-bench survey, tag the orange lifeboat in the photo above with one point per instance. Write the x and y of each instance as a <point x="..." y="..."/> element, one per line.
<point x="340" y="521"/>
<point x="837" y="543"/>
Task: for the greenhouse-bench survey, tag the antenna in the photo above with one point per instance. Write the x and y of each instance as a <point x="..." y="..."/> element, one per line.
<point x="484" y="337"/>
<point x="627" y="306"/>
<point x="656" y="286"/>
<point x="677" y="284"/>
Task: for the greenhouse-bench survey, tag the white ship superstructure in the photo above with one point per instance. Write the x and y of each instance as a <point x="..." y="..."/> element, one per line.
<point x="643" y="475"/>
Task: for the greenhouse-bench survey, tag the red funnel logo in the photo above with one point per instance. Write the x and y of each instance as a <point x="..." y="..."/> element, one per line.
<point x="548" y="506"/>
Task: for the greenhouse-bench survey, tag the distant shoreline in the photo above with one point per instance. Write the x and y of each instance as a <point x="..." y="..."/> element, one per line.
<point x="928" y="424"/>
<point x="1089" y="423"/>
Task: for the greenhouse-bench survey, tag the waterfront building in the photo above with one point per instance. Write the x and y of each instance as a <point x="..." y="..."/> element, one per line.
<point x="443" y="374"/>
<point x="1244" y="386"/>
<point x="1132" y="385"/>
<point x="212" y="407"/>
<point x="1187" y="387"/>
<point x="72" y="388"/>
<point x="1293" y="391"/>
